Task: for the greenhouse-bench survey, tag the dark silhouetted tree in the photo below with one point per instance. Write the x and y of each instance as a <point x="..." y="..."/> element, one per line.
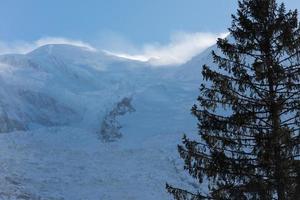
<point x="248" y="111"/>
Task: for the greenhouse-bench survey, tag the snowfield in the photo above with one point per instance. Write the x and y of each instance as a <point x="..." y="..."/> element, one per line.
<point x="52" y="103"/>
<point x="70" y="163"/>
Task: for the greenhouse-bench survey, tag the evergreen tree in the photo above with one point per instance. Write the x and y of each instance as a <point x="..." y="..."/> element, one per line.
<point x="248" y="111"/>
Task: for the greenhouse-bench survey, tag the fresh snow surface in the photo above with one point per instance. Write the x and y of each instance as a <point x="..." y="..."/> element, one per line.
<point x="51" y="107"/>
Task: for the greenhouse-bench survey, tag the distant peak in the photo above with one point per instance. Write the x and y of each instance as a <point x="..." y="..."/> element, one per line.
<point x="54" y="48"/>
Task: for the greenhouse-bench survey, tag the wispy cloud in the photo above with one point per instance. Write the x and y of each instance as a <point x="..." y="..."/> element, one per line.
<point x="181" y="48"/>
<point x="23" y="47"/>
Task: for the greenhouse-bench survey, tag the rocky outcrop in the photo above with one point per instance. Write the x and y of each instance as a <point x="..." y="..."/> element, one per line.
<point x="110" y="126"/>
<point x="9" y="125"/>
<point x="47" y="111"/>
<point x="33" y="108"/>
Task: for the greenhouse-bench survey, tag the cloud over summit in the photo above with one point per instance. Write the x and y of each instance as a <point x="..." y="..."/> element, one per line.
<point x="181" y="47"/>
<point x="23" y="47"/>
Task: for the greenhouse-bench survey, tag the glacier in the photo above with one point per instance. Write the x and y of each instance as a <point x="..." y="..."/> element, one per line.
<point x="52" y="103"/>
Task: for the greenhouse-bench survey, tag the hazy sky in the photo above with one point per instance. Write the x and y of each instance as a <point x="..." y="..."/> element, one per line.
<point x="115" y="25"/>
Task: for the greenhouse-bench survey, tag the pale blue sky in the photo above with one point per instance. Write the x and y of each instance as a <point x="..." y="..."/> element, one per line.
<point x="137" y="20"/>
<point x="114" y="24"/>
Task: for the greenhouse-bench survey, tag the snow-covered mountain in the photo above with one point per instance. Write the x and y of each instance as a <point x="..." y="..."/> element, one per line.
<point x="54" y="103"/>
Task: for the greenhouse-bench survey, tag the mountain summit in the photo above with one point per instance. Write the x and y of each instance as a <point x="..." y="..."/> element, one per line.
<point x="57" y="100"/>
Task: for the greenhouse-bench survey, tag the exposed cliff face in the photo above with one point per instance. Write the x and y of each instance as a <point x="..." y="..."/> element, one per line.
<point x="9" y="125"/>
<point x="110" y="126"/>
<point x="50" y="111"/>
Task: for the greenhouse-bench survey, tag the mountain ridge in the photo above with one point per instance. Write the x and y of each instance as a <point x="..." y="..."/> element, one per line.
<point x="52" y="110"/>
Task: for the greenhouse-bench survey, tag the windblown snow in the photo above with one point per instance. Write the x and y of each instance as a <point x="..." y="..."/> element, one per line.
<point x="53" y="103"/>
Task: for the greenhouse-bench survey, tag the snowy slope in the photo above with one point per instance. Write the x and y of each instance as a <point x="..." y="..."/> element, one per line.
<point x="51" y="107"/>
